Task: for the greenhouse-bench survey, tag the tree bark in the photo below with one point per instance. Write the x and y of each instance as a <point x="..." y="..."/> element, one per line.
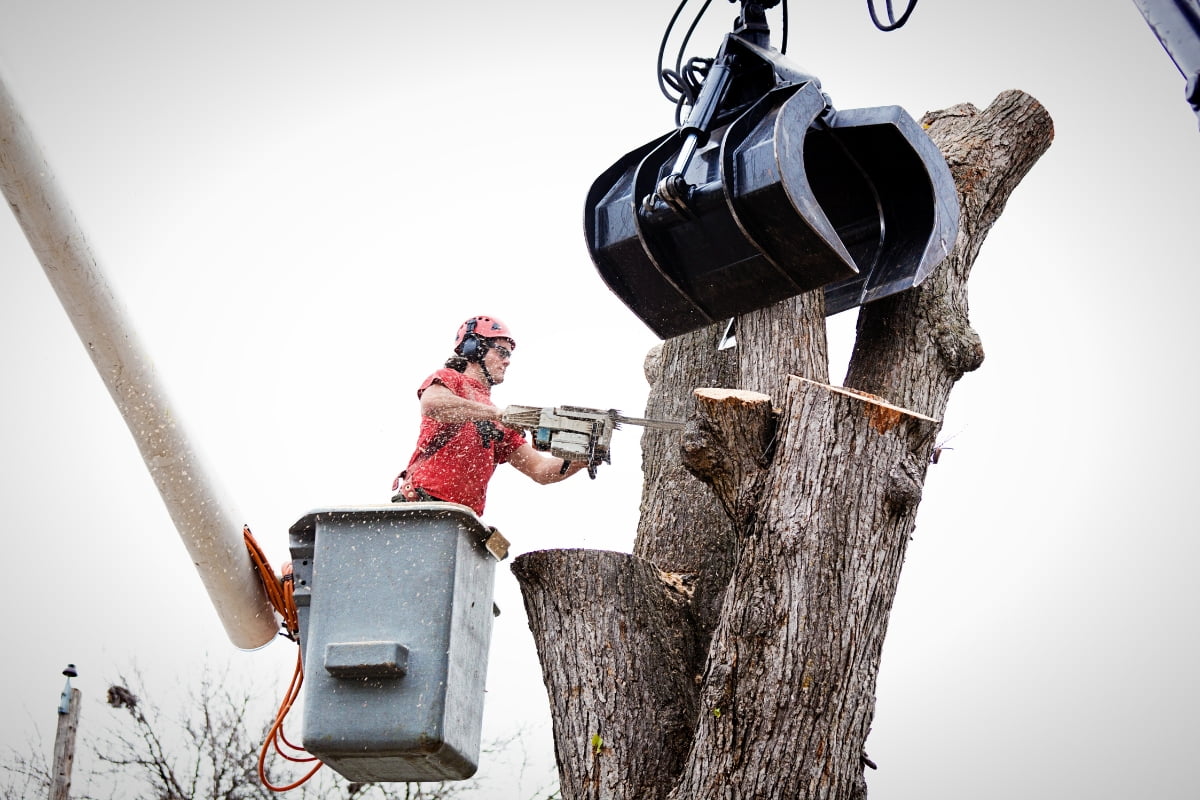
<point x="682" y="527"/>
<point x="788" y="692"/>
<point x="615" y="636"/>
<point x="788" y="529"/>
<point x="727" y="444"/>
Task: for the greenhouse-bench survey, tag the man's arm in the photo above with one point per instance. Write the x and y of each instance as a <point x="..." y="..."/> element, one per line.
<point x="542" y="467"/>
<point x="444" y="405"/>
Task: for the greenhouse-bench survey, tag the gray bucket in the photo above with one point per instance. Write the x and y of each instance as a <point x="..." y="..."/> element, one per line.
<point x="395" y="612"/>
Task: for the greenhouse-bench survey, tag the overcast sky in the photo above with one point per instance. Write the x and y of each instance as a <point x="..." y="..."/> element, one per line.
<point x="299" y="202"/>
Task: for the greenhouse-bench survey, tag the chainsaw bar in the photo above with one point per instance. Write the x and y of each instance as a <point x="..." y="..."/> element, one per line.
<point x="664" y="424"/>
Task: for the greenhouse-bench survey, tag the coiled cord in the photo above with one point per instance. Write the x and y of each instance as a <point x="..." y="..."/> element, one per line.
<point x="280" y="593"/>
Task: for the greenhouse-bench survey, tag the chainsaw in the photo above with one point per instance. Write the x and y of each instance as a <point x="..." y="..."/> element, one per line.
<point x="573" y="433"/>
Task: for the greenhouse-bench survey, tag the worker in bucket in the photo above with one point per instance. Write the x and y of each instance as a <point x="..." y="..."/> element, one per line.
<point x="461" y="440"/>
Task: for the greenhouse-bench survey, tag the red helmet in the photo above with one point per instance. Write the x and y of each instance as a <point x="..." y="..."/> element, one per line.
<point x="472" y="332"/>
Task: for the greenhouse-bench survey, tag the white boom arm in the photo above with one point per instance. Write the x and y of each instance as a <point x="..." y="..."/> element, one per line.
<point x="209" y="529"/>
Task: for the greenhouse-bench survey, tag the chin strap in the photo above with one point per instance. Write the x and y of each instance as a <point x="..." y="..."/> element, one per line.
<point x="483" y="351"/>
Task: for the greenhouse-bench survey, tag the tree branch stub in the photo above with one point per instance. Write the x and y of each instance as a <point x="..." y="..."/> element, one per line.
<point x="727" y="444"/>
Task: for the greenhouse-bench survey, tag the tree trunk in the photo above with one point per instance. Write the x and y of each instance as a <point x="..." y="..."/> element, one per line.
<point x="788" y="691"/>
<point x="616" y="681"/>
<point x="734" y="653"/>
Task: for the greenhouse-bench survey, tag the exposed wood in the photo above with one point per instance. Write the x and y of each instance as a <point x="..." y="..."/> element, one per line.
<point x="883" y="415"/>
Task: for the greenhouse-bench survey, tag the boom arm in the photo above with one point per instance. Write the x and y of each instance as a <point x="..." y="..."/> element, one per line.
<point x="210" y="530"/>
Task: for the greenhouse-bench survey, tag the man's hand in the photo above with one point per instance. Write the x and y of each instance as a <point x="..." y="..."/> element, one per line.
<point x="541" y="467"/>
<point x="567" y="432"/>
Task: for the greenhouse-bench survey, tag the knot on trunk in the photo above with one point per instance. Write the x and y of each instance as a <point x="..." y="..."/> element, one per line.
<point x="904" y="487"/>
<point x="959" y="345"/>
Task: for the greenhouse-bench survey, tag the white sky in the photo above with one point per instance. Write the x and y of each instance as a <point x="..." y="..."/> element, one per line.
<point x="299" y="202"/>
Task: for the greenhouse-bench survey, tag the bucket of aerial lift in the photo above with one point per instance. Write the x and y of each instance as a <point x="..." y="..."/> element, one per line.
<point x="394" y="605"/>
<point x="788" y="197"/>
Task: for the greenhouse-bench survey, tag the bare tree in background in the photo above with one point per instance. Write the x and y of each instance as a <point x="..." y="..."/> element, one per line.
<point x="208" y="751"/>
<point x="733" y="654"/>
<point x="25" y="775"/>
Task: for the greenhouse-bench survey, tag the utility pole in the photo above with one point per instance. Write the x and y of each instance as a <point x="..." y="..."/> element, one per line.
<point x="64" y="740"/>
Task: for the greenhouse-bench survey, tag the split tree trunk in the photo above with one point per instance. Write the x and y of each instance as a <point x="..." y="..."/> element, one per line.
<point x="734" y="653"/>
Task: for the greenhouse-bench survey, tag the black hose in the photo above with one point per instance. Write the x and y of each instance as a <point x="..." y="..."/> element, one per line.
<point x="676" y="78"/>
<point x="662" y="48"/>
<point x="893" y="23"/>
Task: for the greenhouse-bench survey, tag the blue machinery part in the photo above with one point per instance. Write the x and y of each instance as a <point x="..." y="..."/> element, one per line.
<point x="395" y="611"/>
<point x="1176" y="23"/>
<point x="766" y="192"/>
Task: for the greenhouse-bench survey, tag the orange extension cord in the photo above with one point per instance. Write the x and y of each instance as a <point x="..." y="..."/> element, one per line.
<point x="280" y="594"/>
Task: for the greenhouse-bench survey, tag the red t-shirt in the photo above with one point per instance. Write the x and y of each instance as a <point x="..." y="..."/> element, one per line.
<point x="455" y="460"/>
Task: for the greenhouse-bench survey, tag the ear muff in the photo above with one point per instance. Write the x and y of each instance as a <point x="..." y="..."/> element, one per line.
<point x="472" y="347"/>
